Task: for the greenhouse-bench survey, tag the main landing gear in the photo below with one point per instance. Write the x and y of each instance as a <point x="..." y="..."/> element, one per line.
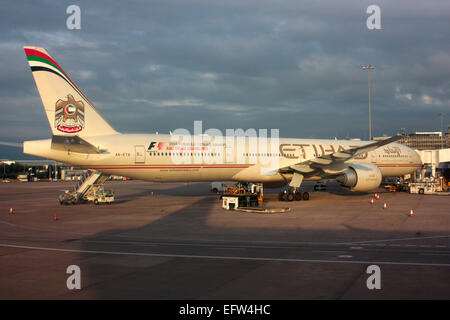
<point x="293" y="194"/>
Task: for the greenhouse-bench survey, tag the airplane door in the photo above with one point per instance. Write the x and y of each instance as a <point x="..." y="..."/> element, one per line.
<point x="139" y="154"/>
<point x="373" y="157"/>
<point x="229" y="155"/>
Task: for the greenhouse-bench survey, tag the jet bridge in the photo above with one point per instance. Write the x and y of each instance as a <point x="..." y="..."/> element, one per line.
<point x="434" y="159"/>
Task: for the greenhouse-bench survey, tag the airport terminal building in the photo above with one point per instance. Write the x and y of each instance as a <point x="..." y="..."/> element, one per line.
<point x="426" y="140"/>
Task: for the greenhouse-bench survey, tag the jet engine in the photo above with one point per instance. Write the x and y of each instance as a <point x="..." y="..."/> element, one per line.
<point x="360" y="177"/>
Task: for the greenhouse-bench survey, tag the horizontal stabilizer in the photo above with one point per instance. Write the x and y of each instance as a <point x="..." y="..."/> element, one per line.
<point x="10" y="144"/>
<point x="74" y="144"/>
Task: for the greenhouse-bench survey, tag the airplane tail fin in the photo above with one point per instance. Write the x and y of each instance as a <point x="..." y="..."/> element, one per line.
<point x="68" y="110"/>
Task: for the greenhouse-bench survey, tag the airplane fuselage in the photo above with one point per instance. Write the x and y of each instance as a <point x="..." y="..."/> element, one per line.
<point x="159" y="158"/>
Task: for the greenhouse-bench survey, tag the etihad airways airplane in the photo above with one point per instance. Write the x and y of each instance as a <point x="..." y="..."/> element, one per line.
<point x="82" y="137"/>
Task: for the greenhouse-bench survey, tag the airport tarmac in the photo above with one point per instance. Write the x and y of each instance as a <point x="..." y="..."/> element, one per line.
<point x="180" y="244"/>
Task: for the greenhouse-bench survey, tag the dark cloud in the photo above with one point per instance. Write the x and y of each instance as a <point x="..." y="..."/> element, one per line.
<point x="294" y="65"/>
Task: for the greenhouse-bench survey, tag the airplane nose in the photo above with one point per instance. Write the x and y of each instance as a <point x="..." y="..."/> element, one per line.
<point x="417" y="158"/>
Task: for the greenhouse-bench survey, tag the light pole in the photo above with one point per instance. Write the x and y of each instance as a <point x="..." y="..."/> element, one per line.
<point x="368" y="68"/>
<point x="442" y="129"/>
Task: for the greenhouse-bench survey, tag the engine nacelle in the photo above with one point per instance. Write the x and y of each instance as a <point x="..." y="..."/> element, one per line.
<point x="360" y="177"/>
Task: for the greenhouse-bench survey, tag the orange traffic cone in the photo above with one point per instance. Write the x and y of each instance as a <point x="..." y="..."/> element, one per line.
<point x="11" y="211"/>
<point x="385" y="206"/>
<point x="411" y="213"/>
<point x="371" y="201"/>
<point x="55" y="217"/>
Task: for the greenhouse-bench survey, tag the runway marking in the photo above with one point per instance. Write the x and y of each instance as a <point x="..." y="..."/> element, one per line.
<point x="329" y="251"/>
<point x="222" y="257"/>
<point x="212" y="245"/>
<point x="215" y="245"/>
<point x="277" y="244"/>
<point x="389" y="240"/>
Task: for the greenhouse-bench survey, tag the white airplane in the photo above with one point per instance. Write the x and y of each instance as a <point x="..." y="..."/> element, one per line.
<point x="82" y="137"/>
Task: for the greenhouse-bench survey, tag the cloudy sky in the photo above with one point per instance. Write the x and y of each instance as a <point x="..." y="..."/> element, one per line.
<point x="293" y="65"/>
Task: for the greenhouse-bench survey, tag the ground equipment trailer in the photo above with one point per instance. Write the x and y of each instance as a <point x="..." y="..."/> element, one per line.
<point x="233" y="202"/>
<point x="97" y="196"/>
<point x="425" y="187"/>
<point x="100" y="196"/>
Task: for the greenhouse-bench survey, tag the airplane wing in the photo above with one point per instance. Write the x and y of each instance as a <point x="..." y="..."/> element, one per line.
<point x="312" y="166"/>
<point x="354" y="152"/>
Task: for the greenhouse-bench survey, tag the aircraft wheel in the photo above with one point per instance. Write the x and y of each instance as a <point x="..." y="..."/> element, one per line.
<point x="96" y="202"/>
<point x="290" y="196"/>
<point x="282" y="196"/>
<point x="298" y="196"/>
<point x="305" y="195"/>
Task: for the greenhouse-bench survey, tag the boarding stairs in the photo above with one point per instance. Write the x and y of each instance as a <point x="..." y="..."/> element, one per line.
<point x="90" y="183"/>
